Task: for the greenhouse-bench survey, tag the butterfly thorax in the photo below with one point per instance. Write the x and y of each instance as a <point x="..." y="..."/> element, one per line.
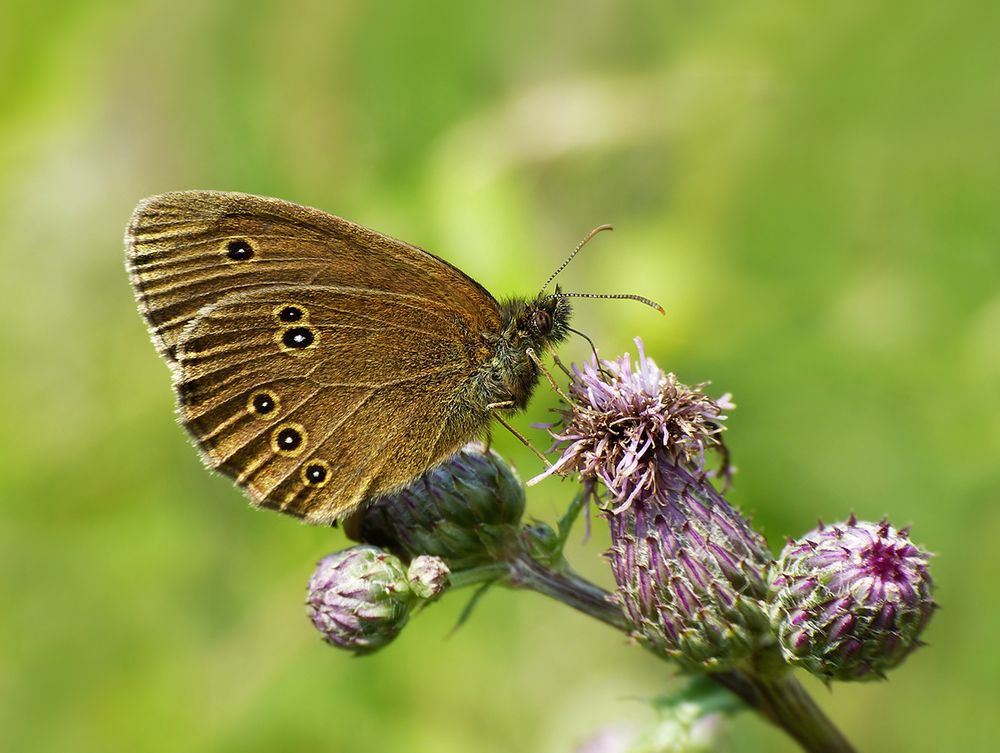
<point x="509" y="375"/>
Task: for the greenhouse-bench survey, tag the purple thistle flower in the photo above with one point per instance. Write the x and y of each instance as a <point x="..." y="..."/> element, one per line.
<point x="690" y="571"/>
<point x="621" y="418"/>
<point x="851" y="600"/>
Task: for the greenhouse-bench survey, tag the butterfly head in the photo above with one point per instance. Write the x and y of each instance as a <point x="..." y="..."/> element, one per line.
<point x="542" y="322"/>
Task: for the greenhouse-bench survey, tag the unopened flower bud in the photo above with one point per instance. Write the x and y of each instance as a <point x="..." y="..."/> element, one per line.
<point x="467" y="511"/>
<point x="851" y="600"/>
<point x="428" y="576"/>
<point x="359" y="599"/>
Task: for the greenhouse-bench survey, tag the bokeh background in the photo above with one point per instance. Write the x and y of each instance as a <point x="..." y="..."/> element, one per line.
<point x="810" y="190"/>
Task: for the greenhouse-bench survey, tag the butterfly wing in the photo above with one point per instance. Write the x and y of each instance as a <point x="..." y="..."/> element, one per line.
<point x="317" y="395"/>
<point x="187" y="249"/>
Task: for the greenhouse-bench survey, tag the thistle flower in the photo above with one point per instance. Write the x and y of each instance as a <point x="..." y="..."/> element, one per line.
<point x="851" y="600"/>
<point x="360" y="598"/>
<point x="621" y="419"/>
<point x="467" y="511"/>
<point x="689" y="568"/>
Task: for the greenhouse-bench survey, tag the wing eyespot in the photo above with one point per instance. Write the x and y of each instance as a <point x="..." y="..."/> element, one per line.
<point x="298" y="338"/>
<point x="239" y="250"/>
<point x="316" y="473"/>
<point x="289" y="439"/>
<point x="290" y="313"/>
<point x="263" y="404"/>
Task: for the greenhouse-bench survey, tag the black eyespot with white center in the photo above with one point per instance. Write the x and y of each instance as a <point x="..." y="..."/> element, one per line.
<point x="288" y="439"/>
<point x="263" y="403"/>
<point x="239" y="250"/>
<point x="298" y="337"/>
<point x="315" y="473"/>
<point x="291" y="314"/>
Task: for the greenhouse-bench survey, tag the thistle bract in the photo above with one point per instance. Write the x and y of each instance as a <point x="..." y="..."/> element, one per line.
<point x="359" y="599"/>
<point x="689" y="568"/>
<point x="467" y="511"/>
<point x="691" y="572"/>
<point x="850" y="600"/>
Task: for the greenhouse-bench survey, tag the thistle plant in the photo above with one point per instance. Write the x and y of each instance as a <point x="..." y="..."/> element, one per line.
<point x="361" y="598"/>
<point x="691" y="572"/>
<point x="695" y="583"/>
<point x="851" y="600"/>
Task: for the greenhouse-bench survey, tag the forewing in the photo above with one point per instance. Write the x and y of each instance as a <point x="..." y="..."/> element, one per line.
<point x="349" y="396"/>
<point x="186" y="250"/>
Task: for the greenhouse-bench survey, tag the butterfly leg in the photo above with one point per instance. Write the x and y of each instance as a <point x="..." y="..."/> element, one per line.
<point x="496" y="408"/>
<point x="548" y="375"/>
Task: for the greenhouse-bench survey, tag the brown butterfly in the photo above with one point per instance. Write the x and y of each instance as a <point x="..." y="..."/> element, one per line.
<point x="316" y="362"/>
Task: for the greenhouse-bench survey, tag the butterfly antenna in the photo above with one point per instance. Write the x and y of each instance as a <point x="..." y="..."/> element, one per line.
<point x="629" y="296"/>
<point x="576" y="250"/>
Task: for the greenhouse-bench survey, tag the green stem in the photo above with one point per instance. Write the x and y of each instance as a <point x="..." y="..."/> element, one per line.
<point x="787" y="705"/>
<point x="566" y="586"/>
<point x="477" y="575"/>
<point x="778" y="698"/>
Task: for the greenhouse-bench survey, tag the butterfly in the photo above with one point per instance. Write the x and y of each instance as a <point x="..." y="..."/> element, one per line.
<point x="319" y="364"/>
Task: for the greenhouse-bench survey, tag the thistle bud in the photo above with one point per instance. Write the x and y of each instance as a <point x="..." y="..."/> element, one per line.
<point x="466" y="511"/>
<point x="428" y="576"/>
<point x="359" y="599"/>
<point x="850" y="600"/>
<point x="691" y="572"/>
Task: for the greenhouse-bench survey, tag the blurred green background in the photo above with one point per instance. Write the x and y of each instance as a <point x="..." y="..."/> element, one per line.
<point x="811" y="190"/>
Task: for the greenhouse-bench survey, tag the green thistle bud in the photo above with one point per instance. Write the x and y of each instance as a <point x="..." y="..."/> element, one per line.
<point x="850" y="600"/>
<point x="359" y="599"/>
<point x="428" y="576"/>
<point x="467" y="511"/>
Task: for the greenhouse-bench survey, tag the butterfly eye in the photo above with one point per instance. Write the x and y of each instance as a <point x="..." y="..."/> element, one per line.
<point x="541" y="321"/>
<point x="288" y="439"/>
<point x="239" y="250"/>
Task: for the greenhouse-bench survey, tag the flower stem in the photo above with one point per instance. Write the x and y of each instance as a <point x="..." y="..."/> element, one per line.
<point x="778" y="698"/>
<point x="786" y="704"/>
<point x="566" y="586"/>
